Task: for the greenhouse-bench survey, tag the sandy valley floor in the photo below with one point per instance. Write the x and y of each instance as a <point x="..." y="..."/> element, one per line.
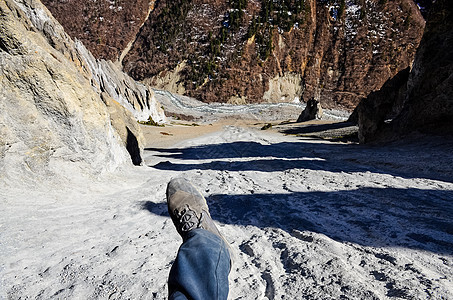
<point x="307" y="219"/>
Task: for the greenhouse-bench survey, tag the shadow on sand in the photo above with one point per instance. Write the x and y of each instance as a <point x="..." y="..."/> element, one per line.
<point x="335" y="157"/>
<point x="377" y="217"/>
<point x="315" y="128"/>
<point x="409" y="218"/>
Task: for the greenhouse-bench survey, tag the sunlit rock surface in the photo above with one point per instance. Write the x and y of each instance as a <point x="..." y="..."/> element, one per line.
<point x="53" y="122"/>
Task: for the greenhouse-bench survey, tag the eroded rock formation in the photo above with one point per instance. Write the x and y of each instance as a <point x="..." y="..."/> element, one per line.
<point x="52" y="119"/>
<point x="49" y="113"/>
<point x="106" y="77"/>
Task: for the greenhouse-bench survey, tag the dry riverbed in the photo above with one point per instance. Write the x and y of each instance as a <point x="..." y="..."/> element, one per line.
<point x="307" y="218"/>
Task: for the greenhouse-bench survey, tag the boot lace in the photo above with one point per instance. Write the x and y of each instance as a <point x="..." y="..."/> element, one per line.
<point x="187" y="219"/>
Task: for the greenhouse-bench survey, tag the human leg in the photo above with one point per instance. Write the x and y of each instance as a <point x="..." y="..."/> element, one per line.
<point x="201" y="268"/>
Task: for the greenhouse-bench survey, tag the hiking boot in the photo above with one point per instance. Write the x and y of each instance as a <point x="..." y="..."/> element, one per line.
<point x="188" y="208"/>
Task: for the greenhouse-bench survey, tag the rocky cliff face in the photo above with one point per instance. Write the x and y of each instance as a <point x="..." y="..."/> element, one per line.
<point x="49" y="113"/>
<point x="106" y="77"/>
<point x="107" y="29"/>
<point x="241" y="51"/>
<point x="104" y="27"/>
<point x="421" y="100"/>
<point x="53" y="120"/>
<point x="428" y="101"/>
<point x="253" y="51"/>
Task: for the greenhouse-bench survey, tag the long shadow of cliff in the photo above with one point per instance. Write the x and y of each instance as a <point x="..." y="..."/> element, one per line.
<point x="235" y="150"/>
<point x="332" y="157"/>
<point x="409" y="218"/>
<point x="315" y="128"/>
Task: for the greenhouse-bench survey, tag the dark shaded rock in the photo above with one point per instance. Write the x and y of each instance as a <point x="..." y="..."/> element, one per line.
<point x="426" y="103"/>
<point x="133" y="148"/>
<point x="425" y="6"/>
<point x="312" y="111"/>
<point x="379" y="107"/>
<point x="267" y="126"/>
<point x="354" y="117"/>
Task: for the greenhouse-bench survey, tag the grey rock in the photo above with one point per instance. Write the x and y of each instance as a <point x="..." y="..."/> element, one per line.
<point x="126" y="126"/>
<point x="104" y="76"/>
<point x="134" y="96"/>
<point x="52" y="122"/>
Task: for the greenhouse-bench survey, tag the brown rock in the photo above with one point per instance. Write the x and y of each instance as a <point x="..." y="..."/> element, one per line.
<point x="105" y="27"/>
<point x="337" y="51"/>
<point x="334" y="52"/>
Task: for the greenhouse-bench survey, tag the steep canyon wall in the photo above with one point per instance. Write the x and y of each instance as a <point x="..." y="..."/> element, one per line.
<point x="104" y="27"/>
<point x="50" y="116"/>
<point x="255" y="51"/>
<point x="247" y="51"/>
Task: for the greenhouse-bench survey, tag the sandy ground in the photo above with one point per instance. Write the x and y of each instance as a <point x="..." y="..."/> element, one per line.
<point x="177" y="131"/>
<point x="307" y="219"/>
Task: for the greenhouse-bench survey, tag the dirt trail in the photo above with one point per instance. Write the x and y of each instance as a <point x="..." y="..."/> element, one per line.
<point x="307" y="219"/>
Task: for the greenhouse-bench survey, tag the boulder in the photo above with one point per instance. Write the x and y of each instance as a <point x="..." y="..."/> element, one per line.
<point x="312" y="111"/>
<point x="126" y="126"/>
<point x="379" y="107"/>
